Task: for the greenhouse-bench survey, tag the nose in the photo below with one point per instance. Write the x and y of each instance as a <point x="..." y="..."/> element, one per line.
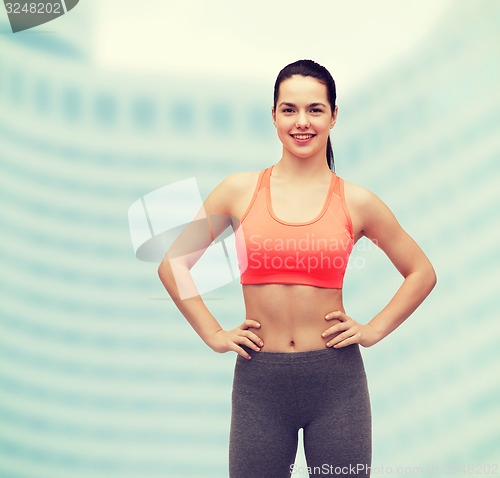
<point x="302" y="121"/>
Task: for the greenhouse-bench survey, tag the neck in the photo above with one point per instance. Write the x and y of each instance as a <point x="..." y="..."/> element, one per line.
<point x="313" y="167"/>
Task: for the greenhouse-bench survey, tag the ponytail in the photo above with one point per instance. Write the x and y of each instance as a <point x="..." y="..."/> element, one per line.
<point x="329" y="155"/>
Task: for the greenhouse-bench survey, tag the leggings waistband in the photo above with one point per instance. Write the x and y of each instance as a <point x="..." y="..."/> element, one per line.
<point x="296" y="357"/>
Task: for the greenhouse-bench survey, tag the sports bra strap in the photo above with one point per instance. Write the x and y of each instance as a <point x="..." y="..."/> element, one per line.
<point x="337" y="187"/>
<point x="263" y="181"/>
<point x="259" y="186"/>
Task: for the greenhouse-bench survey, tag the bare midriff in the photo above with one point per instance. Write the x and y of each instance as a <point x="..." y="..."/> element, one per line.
<point x="292" y="317"/>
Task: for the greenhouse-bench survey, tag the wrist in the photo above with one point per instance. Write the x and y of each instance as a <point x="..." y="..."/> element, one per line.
<point x="376" y="333"/>
<point x="210" y="339"/>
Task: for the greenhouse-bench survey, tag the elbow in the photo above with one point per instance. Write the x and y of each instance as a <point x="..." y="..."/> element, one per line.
<point x="166" y="276"/>
<point x="430" y="278"/>
<point x="160" y="271"/>
<point x="164" y="271"/>
<point x="426" y="277"/>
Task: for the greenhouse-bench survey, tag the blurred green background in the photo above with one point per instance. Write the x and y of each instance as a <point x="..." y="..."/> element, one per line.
<point x="100" y="375"/>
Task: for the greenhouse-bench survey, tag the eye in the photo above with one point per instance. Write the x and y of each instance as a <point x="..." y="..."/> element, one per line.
<point x="287" y="110"/>
<point x="317" y="110"/>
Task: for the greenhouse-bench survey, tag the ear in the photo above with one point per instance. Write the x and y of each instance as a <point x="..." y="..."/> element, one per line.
<point x="334" y="117"/>
<point x="273" y="113"/>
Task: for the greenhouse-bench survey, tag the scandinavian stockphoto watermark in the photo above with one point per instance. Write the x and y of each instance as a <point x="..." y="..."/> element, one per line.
<point x="302" y="252"/>
<point x="28" y="14"/>
<point x="363" y="469"/>
<point x="333" y="470"/>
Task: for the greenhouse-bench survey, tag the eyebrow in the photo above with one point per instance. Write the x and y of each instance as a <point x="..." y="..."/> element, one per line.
<point x="284" y="103"/>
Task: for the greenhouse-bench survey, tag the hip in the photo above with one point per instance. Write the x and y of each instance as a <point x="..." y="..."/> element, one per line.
<point x="317" y="372"/>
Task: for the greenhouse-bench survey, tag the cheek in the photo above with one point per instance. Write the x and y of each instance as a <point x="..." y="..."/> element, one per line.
<point x="284" y="127"/>
<point x="282" y="136"/>
<point x="322" y="128"/>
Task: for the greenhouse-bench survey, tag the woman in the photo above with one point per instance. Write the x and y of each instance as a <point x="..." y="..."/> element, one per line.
<point x="298" y="364"/>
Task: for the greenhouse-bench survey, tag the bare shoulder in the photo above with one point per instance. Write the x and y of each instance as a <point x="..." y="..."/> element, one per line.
<point x="231" y="195"/>
<point x="357" y="196"/>
<point x="368" y="212"/>
<point x="239" y="182"/>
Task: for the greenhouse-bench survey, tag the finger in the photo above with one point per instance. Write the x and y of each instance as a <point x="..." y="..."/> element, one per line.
<point x="336" y="314"/>
<point x="341" y="337"/>
<point x="335" y="329"/>
<point x="346" y="342"/>
<point x="248" y="343"/>
<point x="253" y="336"/>
<point x="241" y="352"/>
<point x="334" y="321"/>
<point x="250" y="323"/>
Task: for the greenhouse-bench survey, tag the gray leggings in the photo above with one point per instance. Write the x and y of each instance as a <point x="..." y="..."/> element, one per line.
<point x="322" y="391"/>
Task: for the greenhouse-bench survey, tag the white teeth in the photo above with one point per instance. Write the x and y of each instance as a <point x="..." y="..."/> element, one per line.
<point x="302" y="136"/>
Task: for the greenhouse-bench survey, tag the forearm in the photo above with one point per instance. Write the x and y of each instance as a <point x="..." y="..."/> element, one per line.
<point x="415" y="288"/>
<point x="188" y="301"/>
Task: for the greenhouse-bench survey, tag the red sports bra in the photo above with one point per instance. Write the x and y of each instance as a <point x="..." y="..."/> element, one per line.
<point x="313" y="253"/>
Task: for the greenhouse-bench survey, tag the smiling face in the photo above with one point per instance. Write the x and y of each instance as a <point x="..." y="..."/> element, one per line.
<point x="303" y="116"/>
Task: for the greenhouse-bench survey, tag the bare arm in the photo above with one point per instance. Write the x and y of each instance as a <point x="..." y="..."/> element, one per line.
<point x="174" y="272"/>
<point x="378" y="224"/>
<point x="381" y="227"/>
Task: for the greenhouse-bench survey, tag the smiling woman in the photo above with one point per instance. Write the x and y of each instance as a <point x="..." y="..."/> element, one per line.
<point x="297" y="342"/>
<point x="307" y="123"/>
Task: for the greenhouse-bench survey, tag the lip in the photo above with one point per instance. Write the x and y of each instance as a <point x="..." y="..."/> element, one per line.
<point x="302" y="141"/>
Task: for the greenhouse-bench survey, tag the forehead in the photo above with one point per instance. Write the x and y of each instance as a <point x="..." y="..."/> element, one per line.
<point x="302" y="89"/>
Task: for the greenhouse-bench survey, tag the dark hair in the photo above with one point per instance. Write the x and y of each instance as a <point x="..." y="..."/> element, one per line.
<point x="311" y="68"/>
